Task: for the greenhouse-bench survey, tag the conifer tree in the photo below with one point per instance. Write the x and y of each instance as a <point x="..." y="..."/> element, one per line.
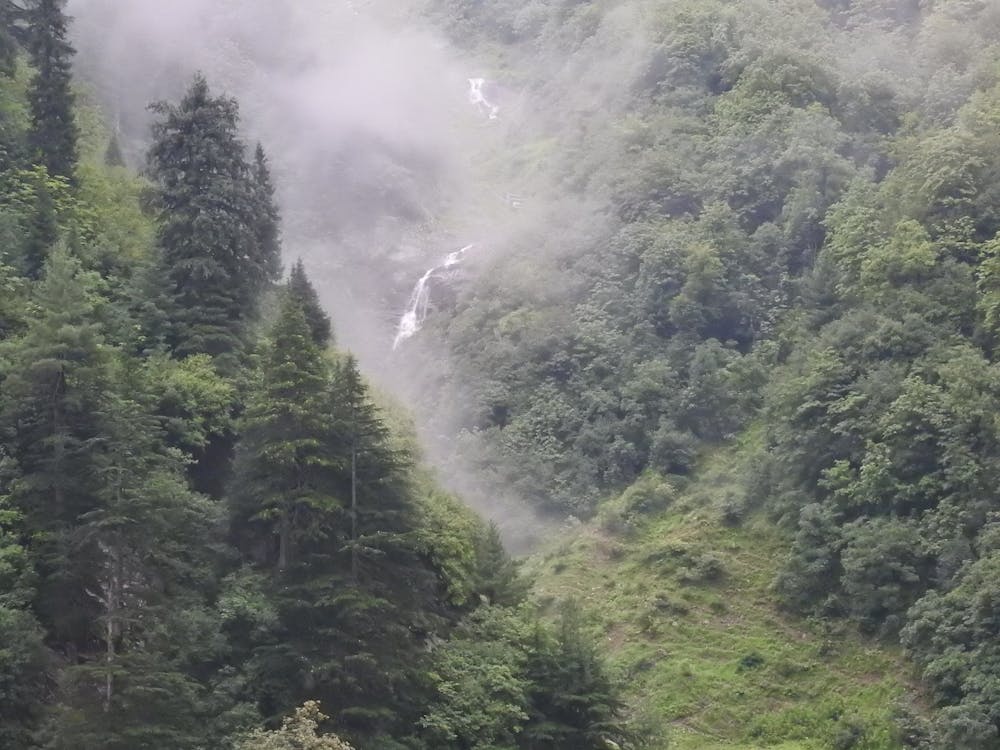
<point x="213" y="263"/>
<point x="573" y="705"/>
<point x="53" y="133"/>
<point x="379" y="504"/>
<point x="498" y="578"/>
<point x="149" y="539"/>
<point x="267" y="223"/>
<point x="53" y="395"/>
<point x="282" y="493"/>
<point x="319" y="322"/>
<point x="42" y="232"/>
<point x="118" y="543"/>
<point x="350" y="591"/>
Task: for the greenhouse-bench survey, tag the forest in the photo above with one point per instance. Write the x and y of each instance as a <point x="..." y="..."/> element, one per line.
<point x="207" y="524"/>
<point x="721" y="368"/>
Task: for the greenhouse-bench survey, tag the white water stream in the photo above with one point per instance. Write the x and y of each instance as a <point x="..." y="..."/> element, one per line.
<point x="416" y="311"/>
<point x="478" y="98"/>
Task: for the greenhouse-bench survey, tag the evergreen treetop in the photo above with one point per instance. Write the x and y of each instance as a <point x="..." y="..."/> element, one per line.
<point x="53" y="134"/>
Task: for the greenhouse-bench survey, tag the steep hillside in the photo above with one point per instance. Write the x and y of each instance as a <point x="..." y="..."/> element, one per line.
<point x="778" y="214"/>
<point x="678" y="581"/>
<point x="697" y="299"/>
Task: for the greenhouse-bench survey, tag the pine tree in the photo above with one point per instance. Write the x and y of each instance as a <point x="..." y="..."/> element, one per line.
<point x="53" y="133"/>
<point x="267" y="223"/>
<point x="149" y="537"/>
<point x="42" y="232"/>
<point x="213" y="265"/>
<point x="53" y="395"/>
<point x="498" y="577"/>
<point x="350" y="591"/>
<point x="282" y="462"/>
<point x="573" y="705"/>
<point x="380" y="508"/>
<point x="118" y="544"/>
<point x="388" y="595"/>
<point x="303" y="290"/>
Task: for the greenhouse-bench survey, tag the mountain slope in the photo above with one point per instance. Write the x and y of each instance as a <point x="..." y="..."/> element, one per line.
<point x="683" y="600"/>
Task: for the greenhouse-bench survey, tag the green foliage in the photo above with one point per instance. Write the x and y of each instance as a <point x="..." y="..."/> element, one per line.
<point x="218" y="232"/>
<point x="773" y="235"/>
<point x="128" y="617"/>
<point x="298" y="732"/>
<point x="479" y="684"/>
<point x="505" y="680"/>
<point x="285" y="495"/>
<point x="302" y="289"/>
<point x="53" y="134"/>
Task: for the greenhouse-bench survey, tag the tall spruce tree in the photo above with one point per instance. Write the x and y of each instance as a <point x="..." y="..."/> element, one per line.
<point x="319" y="322"/>
<point x="282" y="493"/>
<point x="118" y="545"/>
<point x="53" y="133"/>
<point x="572" y="704"/>
<point x="389" y="595"/>
<point x="149" y="538"/>
<point x="267" y="223"/>
<point x="55" y="390"/>
<point x="216" y="258"/>
<point x="42" y="232"/>
<point x="321" y="502"/>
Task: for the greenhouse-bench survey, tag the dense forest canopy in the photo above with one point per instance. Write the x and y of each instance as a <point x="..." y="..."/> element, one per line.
<point x="736" y="257"/>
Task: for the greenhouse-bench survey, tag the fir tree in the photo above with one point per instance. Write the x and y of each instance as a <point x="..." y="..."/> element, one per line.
<point x="498" y="578"/>
<point x="379" y="503"/>
<point x="267" y="224"/>
<point x="55" y="391"/>
<point x="282" y="494"/>
<point x="303" y="290"/>
<point x="573" y="705"/>
<point x="113" y="155"/>
<point x="147" y="538"/>
<point x="53" y="133"/>
<point x="42" y="232"/>
<point x="213" y="265"/>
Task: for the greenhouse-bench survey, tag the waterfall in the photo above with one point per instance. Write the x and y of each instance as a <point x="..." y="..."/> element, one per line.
<point x="478" y="98"/>
<point x="416" y="311"/>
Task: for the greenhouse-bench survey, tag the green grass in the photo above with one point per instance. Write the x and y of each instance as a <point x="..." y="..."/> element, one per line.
<point x="683" y="602"/>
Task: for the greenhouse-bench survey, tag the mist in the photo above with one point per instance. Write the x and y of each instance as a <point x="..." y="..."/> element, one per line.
<point x="366" y="116"/>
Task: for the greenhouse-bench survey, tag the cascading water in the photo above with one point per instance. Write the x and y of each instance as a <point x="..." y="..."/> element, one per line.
<point x="416" y="311"/>
<point x="478" y="98"/>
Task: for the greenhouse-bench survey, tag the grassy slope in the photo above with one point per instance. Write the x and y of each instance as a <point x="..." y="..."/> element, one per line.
<point x="705" y="653"/>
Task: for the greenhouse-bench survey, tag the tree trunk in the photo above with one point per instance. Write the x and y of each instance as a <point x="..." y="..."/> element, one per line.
<point x="354" y="512"/>
<point x="283" y="532"/>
